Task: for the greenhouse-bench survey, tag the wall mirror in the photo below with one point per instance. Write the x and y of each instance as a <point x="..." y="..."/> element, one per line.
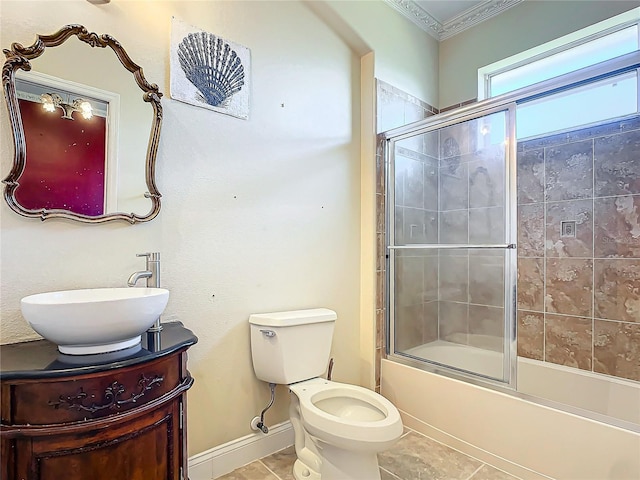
<point x="85" y="130"/>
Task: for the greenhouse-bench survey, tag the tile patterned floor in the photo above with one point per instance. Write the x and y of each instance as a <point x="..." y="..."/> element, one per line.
<point x="414" y="457"/>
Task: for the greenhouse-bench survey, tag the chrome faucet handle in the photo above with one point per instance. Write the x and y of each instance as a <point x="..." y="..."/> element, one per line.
<point x="151" y="256"/>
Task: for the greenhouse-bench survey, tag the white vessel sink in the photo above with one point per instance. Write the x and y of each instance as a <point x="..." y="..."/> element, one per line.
<point x="97" y="320"/>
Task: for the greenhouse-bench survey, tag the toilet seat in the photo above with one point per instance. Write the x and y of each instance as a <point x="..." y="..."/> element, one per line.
<point x="361" y="420"/>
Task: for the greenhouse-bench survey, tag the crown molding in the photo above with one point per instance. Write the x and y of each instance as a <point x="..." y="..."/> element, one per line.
<point x="417" y="15"/>
<point x="467" y="19"/>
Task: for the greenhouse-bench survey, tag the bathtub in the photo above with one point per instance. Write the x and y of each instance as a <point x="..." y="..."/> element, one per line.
<point x="603" y="394"/>
<point x="529" y="433"/>
<point x="464" y="357"/>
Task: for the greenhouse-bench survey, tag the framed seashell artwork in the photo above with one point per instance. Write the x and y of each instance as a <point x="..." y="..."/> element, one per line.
<point x="208" y="71"/>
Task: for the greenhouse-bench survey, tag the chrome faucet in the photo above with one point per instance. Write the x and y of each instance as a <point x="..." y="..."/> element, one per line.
<point x="133" y="279"/>
<point x="152" y="274"/>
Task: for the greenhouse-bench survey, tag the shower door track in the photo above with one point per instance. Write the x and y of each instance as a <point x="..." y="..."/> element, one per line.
<point x="419" y="246"/>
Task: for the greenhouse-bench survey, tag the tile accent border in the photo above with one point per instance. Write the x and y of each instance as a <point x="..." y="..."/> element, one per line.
<point x="458" y="105"/>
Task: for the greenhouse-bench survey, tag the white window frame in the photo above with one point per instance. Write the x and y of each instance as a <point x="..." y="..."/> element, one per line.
<point x="566" y="42"/>
<point x="112" y="115"/>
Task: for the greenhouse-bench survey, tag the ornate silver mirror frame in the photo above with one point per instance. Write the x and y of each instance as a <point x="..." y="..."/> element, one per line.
<point x="17" y="58"/>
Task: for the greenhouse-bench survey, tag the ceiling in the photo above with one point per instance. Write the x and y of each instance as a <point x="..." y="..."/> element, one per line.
<point x="445" y="18"/>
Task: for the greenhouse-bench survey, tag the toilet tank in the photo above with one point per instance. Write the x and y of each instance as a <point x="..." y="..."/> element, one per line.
<point x="289" y="347"/>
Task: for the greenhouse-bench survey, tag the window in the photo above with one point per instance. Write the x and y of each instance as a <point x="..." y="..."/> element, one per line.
<point x="589" y="103"/>
<point x="600" y="42"/>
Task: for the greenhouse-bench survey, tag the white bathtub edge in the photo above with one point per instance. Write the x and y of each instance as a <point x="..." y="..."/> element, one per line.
<point x="489" y="458"/>
<point x="552" y="442"/>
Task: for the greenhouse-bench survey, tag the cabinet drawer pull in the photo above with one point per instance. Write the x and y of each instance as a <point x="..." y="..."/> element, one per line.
<point x="111" y="396"/>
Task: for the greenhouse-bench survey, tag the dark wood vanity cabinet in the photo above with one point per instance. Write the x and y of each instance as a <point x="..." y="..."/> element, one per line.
<point x="125" y="421"/>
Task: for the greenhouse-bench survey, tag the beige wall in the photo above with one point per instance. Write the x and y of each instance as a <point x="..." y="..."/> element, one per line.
<point x="264" y="214"/>
<point x="257" y="215"/>
<point x="405" y="56"/>
<point x="524" y="26"/>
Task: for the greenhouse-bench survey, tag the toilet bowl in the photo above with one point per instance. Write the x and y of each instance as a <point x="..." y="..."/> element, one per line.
<point x="338" y="428"/>
<point x="343" y="426"/>
<point x="347" y="416"/>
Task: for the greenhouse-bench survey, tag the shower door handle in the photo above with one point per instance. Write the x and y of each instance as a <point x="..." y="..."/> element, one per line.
<point x="451" y="247"/>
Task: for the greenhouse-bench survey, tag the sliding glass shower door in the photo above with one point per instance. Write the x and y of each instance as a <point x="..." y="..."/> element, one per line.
<point x="451" y="267"/>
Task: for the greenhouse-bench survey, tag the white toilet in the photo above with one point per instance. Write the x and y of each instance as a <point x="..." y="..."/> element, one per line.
<point x="338" y="428"/>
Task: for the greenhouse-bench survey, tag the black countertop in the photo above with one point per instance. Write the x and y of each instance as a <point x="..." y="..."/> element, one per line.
<point x="41" y="358"/>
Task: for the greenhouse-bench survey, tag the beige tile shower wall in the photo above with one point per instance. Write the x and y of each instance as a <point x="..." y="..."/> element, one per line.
<point x="579" y="293"/>
<point x="471" y="211"/>
<point x="416" y="222"/>
<point x="395" y="108"/>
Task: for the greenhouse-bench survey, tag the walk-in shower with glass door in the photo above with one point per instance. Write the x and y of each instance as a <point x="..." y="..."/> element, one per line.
<point x="451" y="244"/>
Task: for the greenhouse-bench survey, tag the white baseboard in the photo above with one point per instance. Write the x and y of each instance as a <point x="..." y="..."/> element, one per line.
<point x="234" y="454"/>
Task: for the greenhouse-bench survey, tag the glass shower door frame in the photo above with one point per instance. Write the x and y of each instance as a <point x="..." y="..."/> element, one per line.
<point x="510" y="257"/>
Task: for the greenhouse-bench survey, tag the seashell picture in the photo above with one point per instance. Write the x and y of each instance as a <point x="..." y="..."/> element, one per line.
<point x="208" y="71"/>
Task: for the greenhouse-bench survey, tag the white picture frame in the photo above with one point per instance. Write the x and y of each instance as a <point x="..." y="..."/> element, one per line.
<point x="208" y="71"/>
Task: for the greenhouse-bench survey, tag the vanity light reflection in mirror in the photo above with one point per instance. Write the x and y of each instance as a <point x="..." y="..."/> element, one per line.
<point x="66" y="150"/>
<point x="51" y="101"/>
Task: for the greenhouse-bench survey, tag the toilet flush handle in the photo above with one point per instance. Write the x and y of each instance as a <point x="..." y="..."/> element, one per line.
<point x="268" y="333"/>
